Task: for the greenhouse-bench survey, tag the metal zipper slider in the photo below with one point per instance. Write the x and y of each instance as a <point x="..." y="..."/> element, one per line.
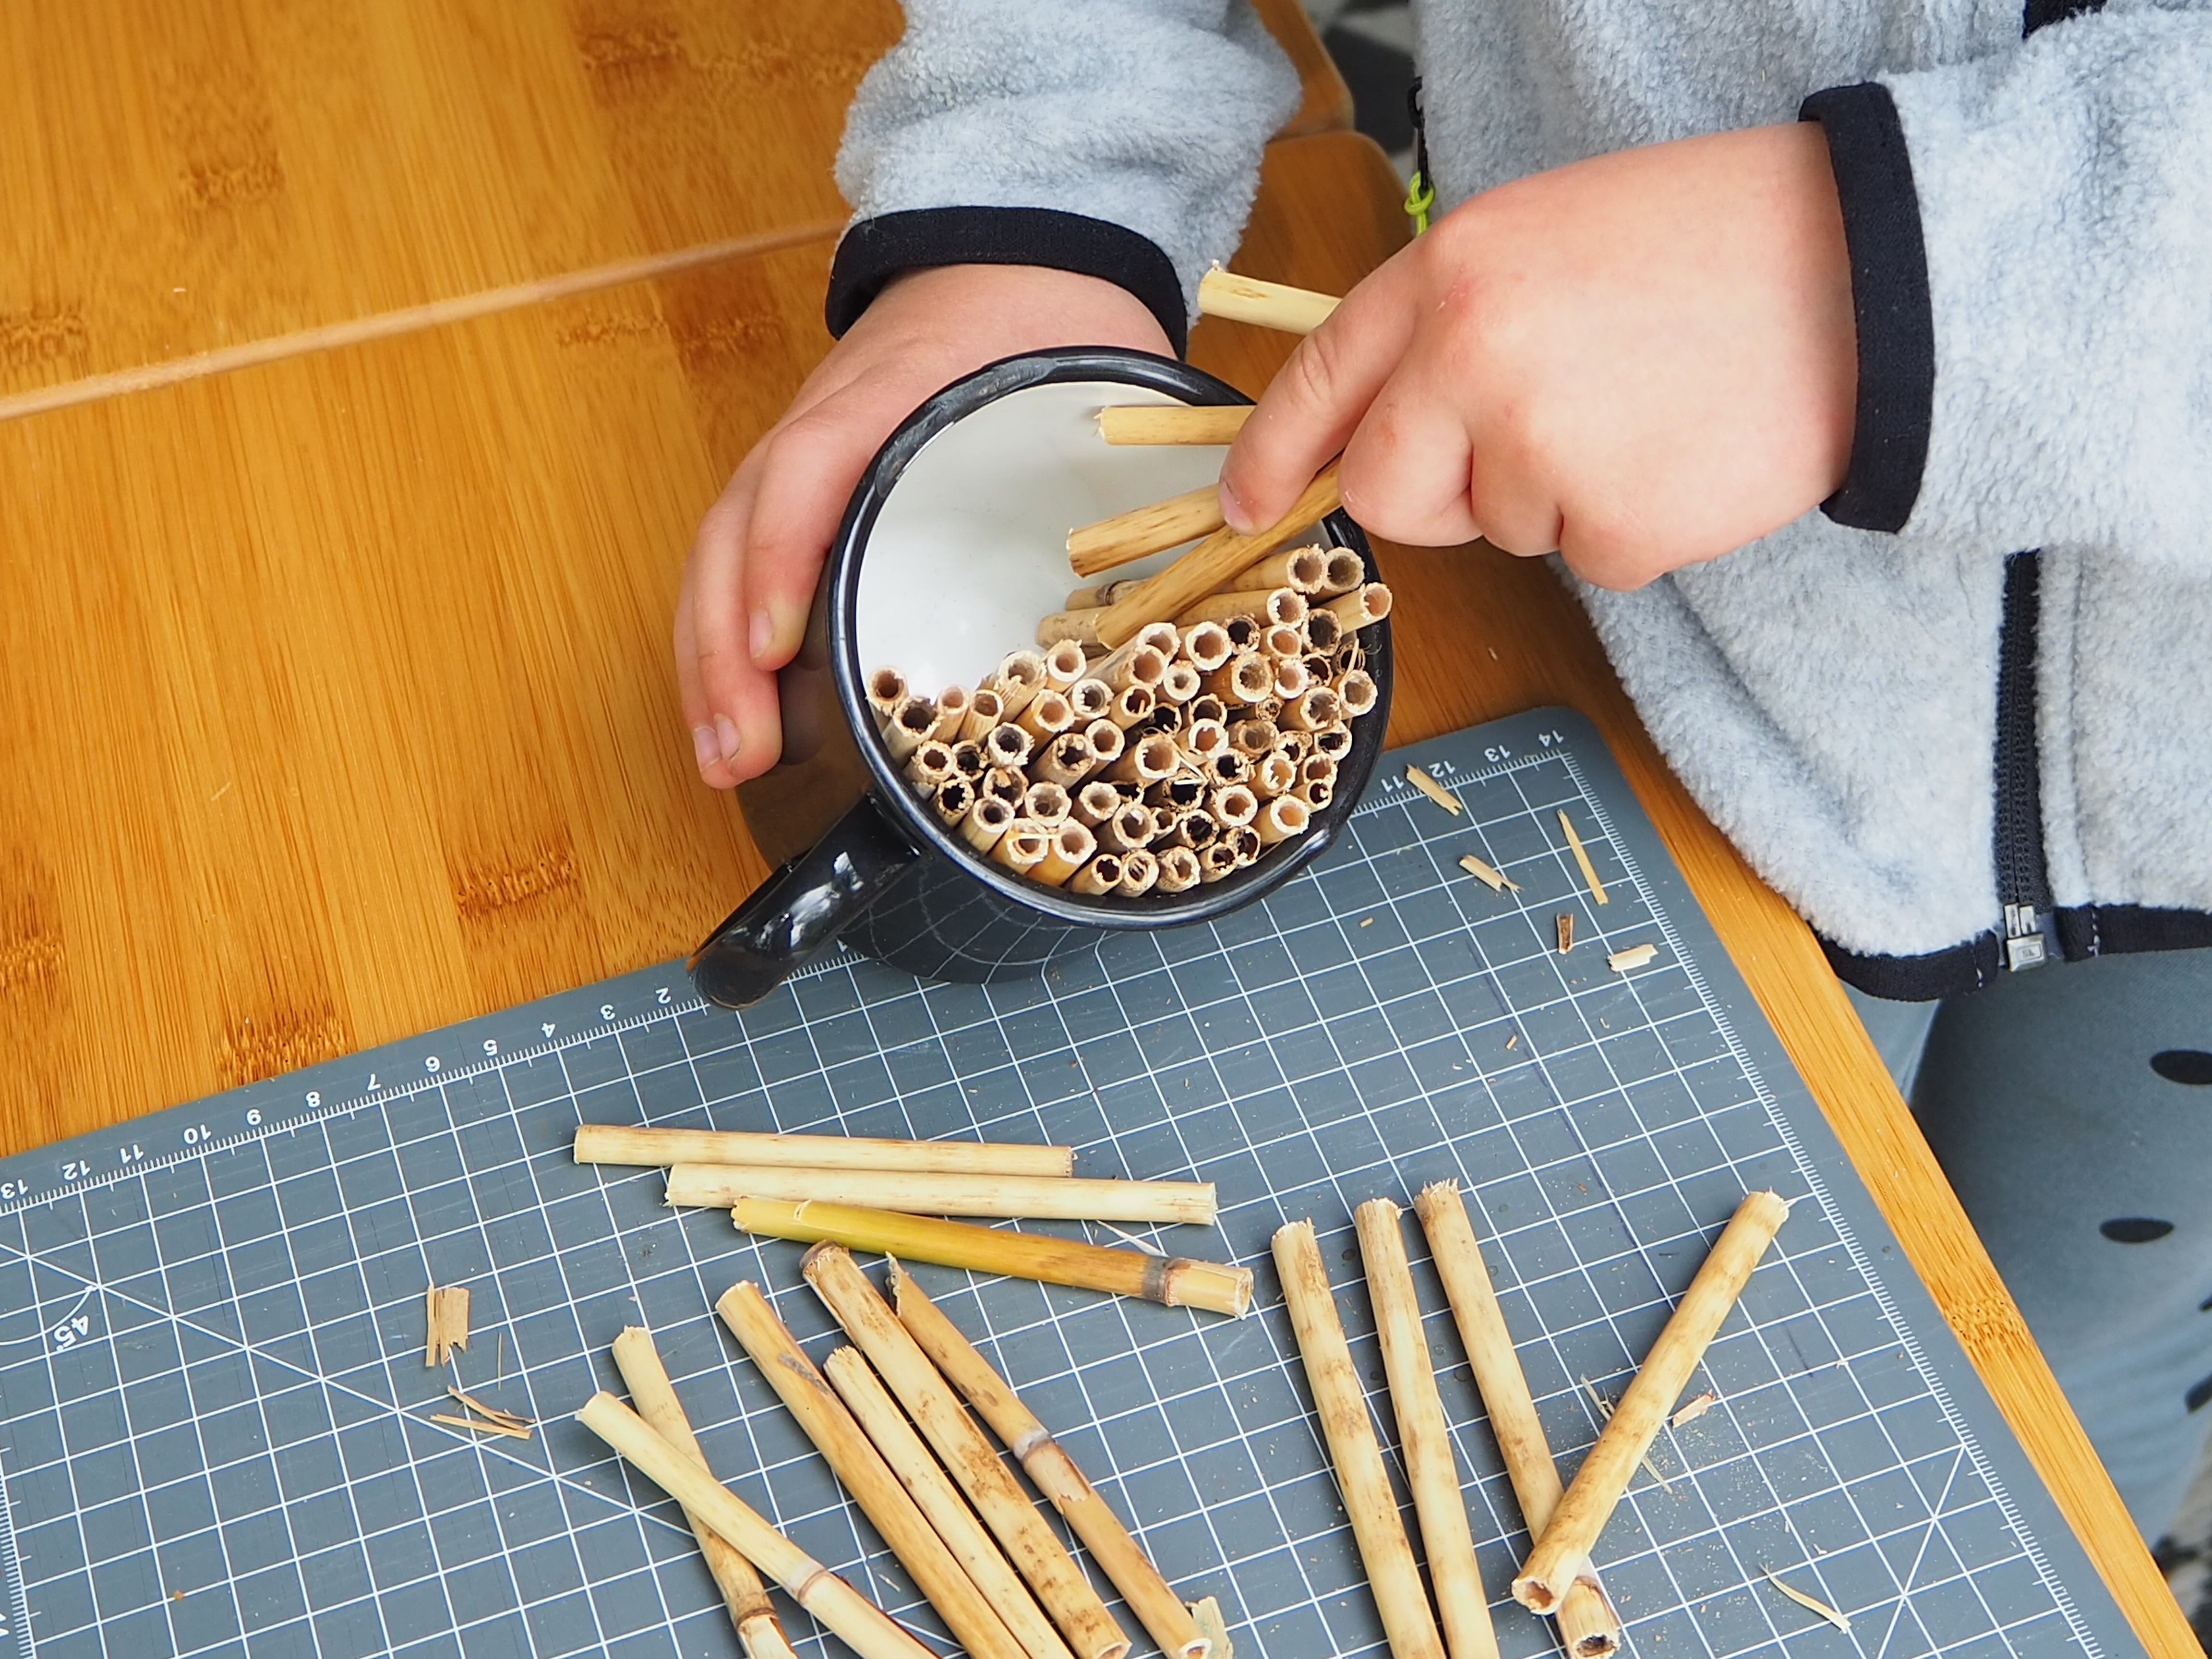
<point x="2026" y="944"/>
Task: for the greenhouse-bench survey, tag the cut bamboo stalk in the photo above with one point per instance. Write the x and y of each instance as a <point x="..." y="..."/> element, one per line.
<point x="1423" y="1441"/>
<point x="1107" y="742"/>
<point x="1058" y="1198"/>
<point x="1362" y="606"/>
<point x="1357" y="693"/>
<point x="886" y="691"/>
<point x="1095" y="803"/>
<point x="1158" y="1609"/>
<point x="1245" y="678"/>
<point x="619" y="1143"/>
<point x="1313" y="710"/>
<point x="910" y="727"/>
<point x="1092" y="595"/>
<point x="1634" y="956"/>
<point x="759" y="1630"/>
<point x="1214" y="561"/>
<point x="1180" y="683"/>
<point x="1020" y="678"/>
<point x="1140" y="873"/>
<point x="1345" y="570"/>
<point x="1038" y="1555"/>
<point x="1006" y="784"/>
<point x="1303" y="568"/>
<point x="1008" y="746"/>
<point x="1324" y="632"/>
<point x="1235" y="807"/>
<point x="1217" y="861"/>
<point x="1048" y="715"/>
<point x="940" y="1502"/>
<point x="1276" y="774"/>
<point x="1419" y="778"/>
<point x="1207" y="646"/>
<point x="1132" y="703"/>
<point x="1070" y="849"/>
<point x="1278" y="605"/>
<point x="1077" y="624"/>
<point x="1064" y="665"/>
<point x="953" y="799"/>
<point x="1024" y="846"/>
<point x="1604" y="1475"/>
<point x="1147" y="762"/>
<point x="1102" y="875"/>
<point x="1582" y="857"/>
<point x="1172" y="423"/>
<point x="446" y="1318"/>
<point x="1127" y="829"/>
<point x="855" y="1620"/>
<point x="861" y="1471"/>
<point x="1282" y="817"/>
<point x="968" y="761"/>
<point x="1179" y="873"/>
<point x="1174" y="1280"/>
<point x="951" y="713"/>
<point x="1090" y="699"/>
<point x="1588" y="1625"/>
<point x="986" y="822"/>
<point x="1047" y="803"/>
<point x="1376" y="1528"/>
<point x="1142" y="531"/>
<point x="1562" y="929"/>
<point x="1067" y="759"/>
<point x="1268" y="305"/>
<point x="1145" y="667"/>
<point x="929" y="765"/>
<point x="985" y="709"/>
<point x="1254" y="737"/>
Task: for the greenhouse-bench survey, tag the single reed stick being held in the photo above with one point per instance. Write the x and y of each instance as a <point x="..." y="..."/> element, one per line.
<point x="1172" y="423"/>
<point x="855" y="1620"/>
<point x="1423" y="1441"/>
<point x="1388" y="1558"/>
<point x="1159" y="1609"/>
<point x="1037" y="1555"/>
<point x="617" y="1143"/>
<point x="1588" y="1626"/>
<point x="1213" y="561"/>
<point x="934" y="1494"/>
<point x="861" y="1471"/>
<point x="1268" y="305"/>
<point x="1126" y="537"/>
<point x="1565" y="1543"/>
<point x="1065" y="1198"/>
<point x="1215" y="1287"/>
<point x="759" y="1630"/>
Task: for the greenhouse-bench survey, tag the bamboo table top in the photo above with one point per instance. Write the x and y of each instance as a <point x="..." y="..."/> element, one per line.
<point x="361" y="383"/>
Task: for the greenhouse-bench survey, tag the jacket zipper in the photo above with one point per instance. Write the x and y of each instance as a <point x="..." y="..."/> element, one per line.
<point x="2023" y="878"/>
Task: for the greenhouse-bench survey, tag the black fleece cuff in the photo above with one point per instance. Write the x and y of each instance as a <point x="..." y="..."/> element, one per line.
<point x="1889" y="297"/>
<point x="876" y="250"/>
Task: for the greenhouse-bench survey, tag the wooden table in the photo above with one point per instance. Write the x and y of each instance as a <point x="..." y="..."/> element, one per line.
<point x="363" y="370"/>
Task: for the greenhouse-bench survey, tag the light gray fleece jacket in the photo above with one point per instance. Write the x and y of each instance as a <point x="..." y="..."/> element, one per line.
<point x="1961" y="716"/>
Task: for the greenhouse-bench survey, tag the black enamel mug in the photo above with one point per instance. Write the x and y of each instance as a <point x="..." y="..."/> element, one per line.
<point x="950" y="551"/>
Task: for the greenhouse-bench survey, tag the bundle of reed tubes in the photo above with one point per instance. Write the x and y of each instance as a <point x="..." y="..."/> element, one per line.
<point x="1588" y="1627"/>
<point x="1175" y="1281"/>
<point x="1384" y="1550"/>
<point x="854" y="1620"/>
<point x="1176" y="760"/>
<point x="1564" y="1547"/>
<point x="1163" y="1615"/>
<point x="861" y="1471"/>
<point x="1030" y="1544"/>
<point x="759" y="1632"/>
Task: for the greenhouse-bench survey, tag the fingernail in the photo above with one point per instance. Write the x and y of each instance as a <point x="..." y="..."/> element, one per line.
<point x="705" y="746"/>
<point x="727" y="730"/>
<point x="1233" y="510"/>
<point x="763" y="634"/>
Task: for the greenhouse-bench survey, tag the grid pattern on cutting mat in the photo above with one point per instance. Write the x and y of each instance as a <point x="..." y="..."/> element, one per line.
<point x="214" y="1405"/>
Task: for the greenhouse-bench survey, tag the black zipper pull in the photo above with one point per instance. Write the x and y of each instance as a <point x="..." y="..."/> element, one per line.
<point x="1420" y="189"/>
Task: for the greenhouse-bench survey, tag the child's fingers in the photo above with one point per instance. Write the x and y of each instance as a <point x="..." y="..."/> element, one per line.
<point x="1405" y="472"/>
<point x="729" y="702"/>
<point x="1310" y="411"/>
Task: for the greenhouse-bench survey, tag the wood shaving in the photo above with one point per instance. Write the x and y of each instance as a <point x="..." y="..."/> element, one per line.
<point x="446" y="1312"/>
<point x="1582" y="857"/>
<point x="1695" y="1407"/>
<point x="496" y="1413"/>
<point x="1435" y="790"/>
<point x="1811" y="1603"/>
<point x="1634" y="956"/>
<point x="1213" y="1626"/>
<point x="1565" y="927"/>
<point x="482" y="1424"/>
<point x="1488" y="874"/>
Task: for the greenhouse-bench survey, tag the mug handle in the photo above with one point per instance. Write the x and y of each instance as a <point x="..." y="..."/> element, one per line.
<point x="801" y="909"/>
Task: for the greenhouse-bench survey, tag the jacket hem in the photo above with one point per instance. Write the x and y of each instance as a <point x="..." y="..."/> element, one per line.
<point x="873" y="251"/>
<point x="2083" y="931"/>
<point x="1890" y="302"/>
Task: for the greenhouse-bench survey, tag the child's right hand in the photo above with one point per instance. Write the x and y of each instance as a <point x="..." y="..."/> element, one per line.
<point x="750" y="575"/>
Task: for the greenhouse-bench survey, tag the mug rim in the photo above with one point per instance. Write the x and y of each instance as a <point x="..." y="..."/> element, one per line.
<point x="848" y="552"/>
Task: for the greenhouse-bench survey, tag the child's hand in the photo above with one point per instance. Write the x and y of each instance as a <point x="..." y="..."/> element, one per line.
<point x="749" y="579"/>
<point x="1642" y="359"/>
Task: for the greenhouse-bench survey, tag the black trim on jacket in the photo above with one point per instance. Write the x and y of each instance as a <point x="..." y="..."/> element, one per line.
<point x="1890" y="302"/>
<point x="2083" y="930"/>
<point x="873" y="251"/>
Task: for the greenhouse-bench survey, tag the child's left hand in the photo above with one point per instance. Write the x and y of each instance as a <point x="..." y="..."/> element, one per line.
<point x="1642" y="359"/>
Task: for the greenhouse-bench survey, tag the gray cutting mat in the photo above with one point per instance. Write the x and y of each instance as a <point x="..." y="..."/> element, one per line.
<point x="213" y="1402"/>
